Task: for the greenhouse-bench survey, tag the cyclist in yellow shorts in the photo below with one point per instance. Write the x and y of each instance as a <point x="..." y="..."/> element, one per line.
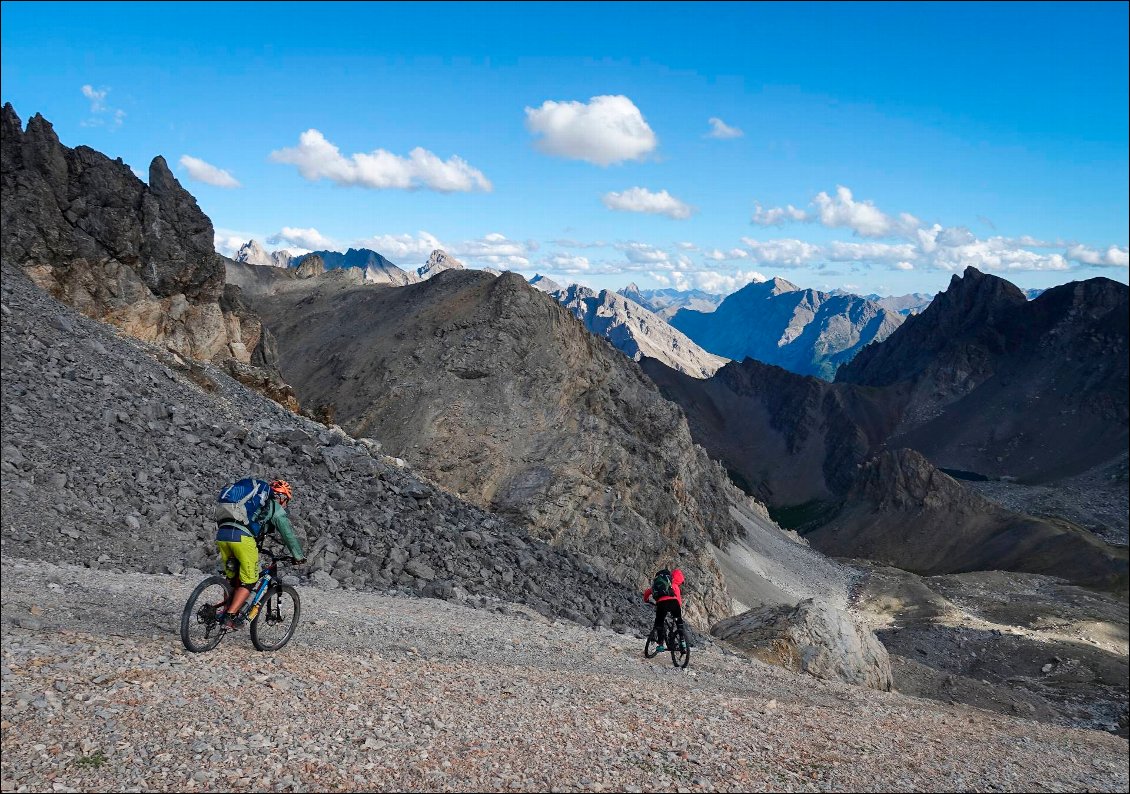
<point x="239" y="549"/>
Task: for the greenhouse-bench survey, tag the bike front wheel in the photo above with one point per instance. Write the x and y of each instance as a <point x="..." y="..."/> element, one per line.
<point x="277" y="618"/>
<point x="680" y="648"/>
<point x="201" y="629"/>
<point x="651" y="647"/>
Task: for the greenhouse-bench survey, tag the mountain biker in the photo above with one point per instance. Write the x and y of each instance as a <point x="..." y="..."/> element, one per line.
<point x="239" y="548"/>
<point x="671" y="601"/>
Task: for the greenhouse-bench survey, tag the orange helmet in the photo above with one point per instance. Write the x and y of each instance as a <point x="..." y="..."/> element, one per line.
<point x="281" y="490"/>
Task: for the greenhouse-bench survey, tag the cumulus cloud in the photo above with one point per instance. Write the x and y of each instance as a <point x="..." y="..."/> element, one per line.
<point x="208" y="173"/>
<point x="638" y="199"/>
<point x="1111" y="257"/>
<point x="642" y="253"/>
<point x="102" y="115"/>
<point x="495" y="249"/>
<point x="227" y="242"/>
<point x="606" y="130"/>
<point x="840" y="251"/>
<point x="568" y="264"/>
<point x="777" y="216"/>
<point x="718" y="255"/>
<point x="862" y="217"/>
<point x="306" y="239"/>
<point x="722" y="130"/>
<point x="783" y="253"/>
<point x="904" y="266"/>
<point x="316" y="158"/>
<point x="960" y="250"/>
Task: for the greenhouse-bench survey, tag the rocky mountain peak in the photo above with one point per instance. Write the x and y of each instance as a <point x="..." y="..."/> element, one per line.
<point x="544" y="283"/>
<point x="438" y="261"/>
<point x="140" y="256"/>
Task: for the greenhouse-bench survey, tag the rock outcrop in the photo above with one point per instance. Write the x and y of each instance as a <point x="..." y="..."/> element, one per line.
<point x="491" y="388"/>
<point x="310" y="266"/>
<point x="139" y="256"/>
<point x="544" y="283"/>
<point x="813" y="638"/>
<point x="635" y="331"/>
<point x="801" y="330"/>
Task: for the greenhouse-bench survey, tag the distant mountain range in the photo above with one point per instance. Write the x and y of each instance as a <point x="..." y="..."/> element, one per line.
<point x="376" y="268"/>
<point x="983" y="383"/>
<point x="776" y="322"/>
<point x="665" y="302"/>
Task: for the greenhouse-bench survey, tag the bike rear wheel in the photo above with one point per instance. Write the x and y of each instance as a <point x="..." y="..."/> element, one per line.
<point x="680" y="648"/>
<point x="277" y="618"/>
<point x="200" y="629"/>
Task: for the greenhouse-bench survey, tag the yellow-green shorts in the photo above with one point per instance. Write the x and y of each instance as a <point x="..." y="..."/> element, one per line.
<point x="241" y="555"/>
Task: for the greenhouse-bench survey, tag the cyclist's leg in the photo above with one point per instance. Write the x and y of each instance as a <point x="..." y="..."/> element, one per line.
<point x="661" y="609"/>
<point x="248" y="555"/>
<point x="677" y="611"/>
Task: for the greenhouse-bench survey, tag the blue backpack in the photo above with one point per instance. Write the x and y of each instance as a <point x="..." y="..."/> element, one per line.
<point x="243" y="503"/>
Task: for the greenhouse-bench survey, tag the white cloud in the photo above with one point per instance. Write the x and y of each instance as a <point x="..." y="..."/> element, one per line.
<point x="642" y="253"/>
<point x="686" y="246"/>
<point x="720" y="129"/>
<point x="208" y="173"/>
<point x="308" y="239"/>
<point x="708" y="280"/>
<point x="960" y="249"/>
<point x="607" y="130"/>
<point x="228" y="242"/>
<point x="904" y="266"/>
<point x="840" y="251"/>
<point x="777" y="216"/>
<point x="783" y="253"/>
<point x="1111" y="257"/>
<point x="103" y="114"/>
<point x="404" y="247"/>
<point x="316" y="158"/>
<point x="862" y="217"/>
<point x="724" y="256"/>
<point x="638" y="199"/>
<point x="567" y="243"/>
<point x="495" y="249"/>
<point x="568" y="264"/>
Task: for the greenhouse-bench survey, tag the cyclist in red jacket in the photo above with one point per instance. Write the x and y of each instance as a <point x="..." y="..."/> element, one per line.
<point x="667" y="592"/>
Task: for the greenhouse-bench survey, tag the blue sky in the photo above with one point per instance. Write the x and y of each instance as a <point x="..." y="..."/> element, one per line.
<point x="872" y="147"/>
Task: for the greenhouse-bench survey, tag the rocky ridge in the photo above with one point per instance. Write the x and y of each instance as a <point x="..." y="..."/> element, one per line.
<point x="635" y="331"/>
<point x="493" y="389"/>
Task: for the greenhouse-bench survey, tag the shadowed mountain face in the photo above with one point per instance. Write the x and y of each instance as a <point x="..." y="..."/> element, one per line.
<point x="494" y="390"/>
<point x="786" y="438"/>
<point x="995" y="384"/>
<point x="776" y="322"/>
<point x="904" y="512"/>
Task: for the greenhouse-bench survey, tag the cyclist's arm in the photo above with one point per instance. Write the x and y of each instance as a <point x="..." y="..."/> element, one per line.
<point x="282" y="524"/>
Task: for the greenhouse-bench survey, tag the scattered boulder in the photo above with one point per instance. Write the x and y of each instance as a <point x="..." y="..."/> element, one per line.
<point x="813" y="638"/>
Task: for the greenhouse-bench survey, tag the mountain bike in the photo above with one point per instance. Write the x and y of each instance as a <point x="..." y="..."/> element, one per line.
<point x="273" y="609"/>
<point x="675" y="640"/>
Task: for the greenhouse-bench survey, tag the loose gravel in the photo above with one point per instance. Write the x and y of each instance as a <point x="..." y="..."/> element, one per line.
<point x="386" y="693"/>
